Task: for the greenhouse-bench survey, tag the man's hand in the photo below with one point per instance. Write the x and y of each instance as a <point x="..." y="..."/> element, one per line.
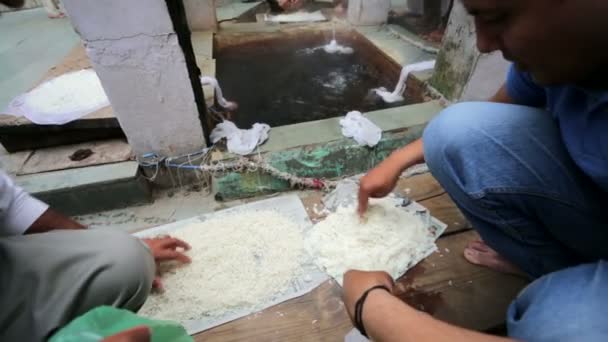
<point x="166" y="248"/>
<point x="52" y="220"/>
<point x="381" y="180"/>
<point x="357" y="282"/>
<point x="378" y="183"/>
<point x="137" y="334"/>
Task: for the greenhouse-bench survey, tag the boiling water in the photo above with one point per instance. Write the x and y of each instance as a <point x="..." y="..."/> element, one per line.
<point x="287" y="82"/>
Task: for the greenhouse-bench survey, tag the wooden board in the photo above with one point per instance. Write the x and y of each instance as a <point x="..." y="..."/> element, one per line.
<point x="443" y="208"/>
<point x="317" y="316"/>
<point x="477" y="299"/>
<point x="13" y="162"/>
<point x="448" y="287"/>
<point x="419" y="187"/>
<point x="58" y="158"/>
<point x="445" y="285"/>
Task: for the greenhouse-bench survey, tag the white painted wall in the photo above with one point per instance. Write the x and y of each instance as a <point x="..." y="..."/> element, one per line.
<point x="462" y="72"/>
<point x="134" y="50"/>
<point x="488" y="75"/>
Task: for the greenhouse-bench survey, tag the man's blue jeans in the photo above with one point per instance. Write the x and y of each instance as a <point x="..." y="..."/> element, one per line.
<point x="509" y="172"/>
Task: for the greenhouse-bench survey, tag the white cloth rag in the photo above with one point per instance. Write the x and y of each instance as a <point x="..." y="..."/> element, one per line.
<point x="240" y="141"/>
<point x="360" y="128"/>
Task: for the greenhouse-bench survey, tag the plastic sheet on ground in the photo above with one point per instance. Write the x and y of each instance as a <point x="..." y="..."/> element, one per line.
<point x="61" y="100"/>
<point x="311" y="278"/>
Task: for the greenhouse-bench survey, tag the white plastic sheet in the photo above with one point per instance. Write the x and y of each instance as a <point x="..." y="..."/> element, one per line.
<point x="289" y="205"/>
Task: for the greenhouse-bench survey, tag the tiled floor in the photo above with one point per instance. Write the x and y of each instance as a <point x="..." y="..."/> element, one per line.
<point x="30" y="44"/>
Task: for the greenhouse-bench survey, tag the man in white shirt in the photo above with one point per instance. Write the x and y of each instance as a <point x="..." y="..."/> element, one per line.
<point x="52" y="269"/>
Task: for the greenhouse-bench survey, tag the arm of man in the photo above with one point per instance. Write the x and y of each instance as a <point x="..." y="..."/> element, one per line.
<point x="382" y="179"/>
<point x="52" y="220"/>
<point x="291" y="5"/>
<point x="386" y="318"/>
<point x="20" y="213"/>
<point x="502" y="96"/>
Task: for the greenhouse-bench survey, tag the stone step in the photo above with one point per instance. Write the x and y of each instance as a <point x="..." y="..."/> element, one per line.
<point x="90" y="189"/>
<point x="318" y="150"/>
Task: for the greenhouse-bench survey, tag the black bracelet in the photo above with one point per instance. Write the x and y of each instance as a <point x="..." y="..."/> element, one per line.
<point x="359" y="308"/>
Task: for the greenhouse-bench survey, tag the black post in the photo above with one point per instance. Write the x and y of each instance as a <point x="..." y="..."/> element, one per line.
<point x="180" y="25"/>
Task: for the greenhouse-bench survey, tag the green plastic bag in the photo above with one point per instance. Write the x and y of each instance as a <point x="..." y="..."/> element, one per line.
<point x="105" y="321"/>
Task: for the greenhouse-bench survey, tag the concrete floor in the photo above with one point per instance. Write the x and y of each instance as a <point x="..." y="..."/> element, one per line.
<point x="168" y="206"/>
<point x="30" y="45"/>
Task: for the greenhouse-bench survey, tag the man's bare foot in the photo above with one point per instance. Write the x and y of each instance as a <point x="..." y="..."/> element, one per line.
<point x="478" y="253"/>
<point x="56" y="16"/>
<point x="339" y="9"/>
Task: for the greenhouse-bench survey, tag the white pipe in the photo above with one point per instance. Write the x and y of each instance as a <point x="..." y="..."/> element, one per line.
<point x="397" y="94"/>
<point x="229" y="105"/>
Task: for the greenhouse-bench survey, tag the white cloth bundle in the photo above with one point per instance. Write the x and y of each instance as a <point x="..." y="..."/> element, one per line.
<point x="360" y="128"/>
<point x="240" y="141"/>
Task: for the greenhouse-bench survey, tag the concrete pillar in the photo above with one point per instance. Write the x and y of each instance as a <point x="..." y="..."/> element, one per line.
<point x="135" y="50"/>
<point x="462" y="72"/>
<point x="201" y="14"/>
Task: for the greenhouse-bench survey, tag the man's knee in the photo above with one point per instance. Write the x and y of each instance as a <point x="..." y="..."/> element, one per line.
<point x="568" y="305"/>
<point x="471" y="135"/>
<point x="126" y="271"/>
<point x="448" y="136"/>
